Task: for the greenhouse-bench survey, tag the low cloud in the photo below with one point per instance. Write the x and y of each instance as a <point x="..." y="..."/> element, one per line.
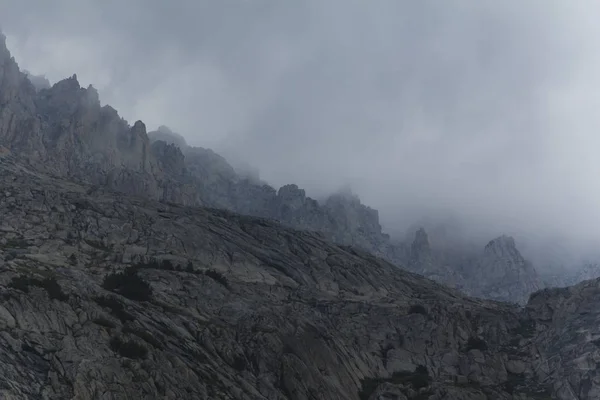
<point x="484" y="110"/>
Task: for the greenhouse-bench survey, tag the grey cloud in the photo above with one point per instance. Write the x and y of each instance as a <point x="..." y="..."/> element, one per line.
<point x="483" y="109"/>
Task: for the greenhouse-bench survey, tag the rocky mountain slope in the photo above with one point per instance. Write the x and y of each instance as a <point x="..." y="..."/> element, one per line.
<point x="341" y="217"/>
<point x="498" y="272"/>
<point x="111" y="296"/>
<point x="64" y="130"/>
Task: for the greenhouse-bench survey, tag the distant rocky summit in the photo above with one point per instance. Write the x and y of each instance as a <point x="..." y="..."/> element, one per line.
<point x="499" y="272"/>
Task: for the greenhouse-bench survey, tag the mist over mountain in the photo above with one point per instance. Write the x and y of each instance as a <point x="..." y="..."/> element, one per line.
<point x="190" y="174"/>
<point x="483" y="113"/>
<point x="113" y="263"/>
<point x="163" y="264"/>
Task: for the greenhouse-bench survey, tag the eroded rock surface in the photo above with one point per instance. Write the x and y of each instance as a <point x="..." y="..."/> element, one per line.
<point x="281" y="314"/>
<point x="64" y="130"/>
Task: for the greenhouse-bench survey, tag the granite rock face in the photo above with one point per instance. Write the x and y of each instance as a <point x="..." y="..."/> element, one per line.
<point x="240" y="307"/>
<point x="499" y="272"/>
<point x="504" y="273"/>
<point x="63" y="130"/>
<point x="164" y="134"/>
<point x="39" y="82"/>
<point x="421" y="255"/>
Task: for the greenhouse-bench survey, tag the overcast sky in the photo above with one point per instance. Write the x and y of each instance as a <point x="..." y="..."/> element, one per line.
<point x="486" y="109"/>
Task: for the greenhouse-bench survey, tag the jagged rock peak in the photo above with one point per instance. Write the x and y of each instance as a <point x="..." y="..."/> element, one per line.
<point x="165" y="129"/>
<point x="346" y="201"/>
<point x="421" y="239"/>
<point x="93" y="95"/>
<point x="67" y="85"/>
<point x="40" y="82"/>
<point x="502" y="246"/>
<point x="65" y="97"/>
<point x="291" y="191"/>
<point x="165" y="134"/>
<point x="11" y="77"/>
<point x="420" y="247"/>
<point x="71" y="81"/>
<point x="139" y="128"/>
<point x="3" y="48"/>
<point x="503" y="273"/>
<point x="503" y="240"/>
<point x="169" y="156"/>
<point x="166" y="148"/>
<point x="137" y="140"/>
<point x="345" y="195"/>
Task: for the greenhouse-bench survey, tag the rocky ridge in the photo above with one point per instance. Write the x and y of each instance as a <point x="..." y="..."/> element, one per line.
<point x="499" y="272"/>
<point x="111" y="296"/>
<point x="64" y="130"/>
<point x="341" y="217"/>
<point x="115" y="284"/>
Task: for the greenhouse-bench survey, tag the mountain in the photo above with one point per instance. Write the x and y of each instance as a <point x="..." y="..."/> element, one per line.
<point x="107" y="295"/>
<point x="502" y="264"/>
<point x="129" y="270"/>
<point x="63" y="129"/>
<point x="500" y="272"/>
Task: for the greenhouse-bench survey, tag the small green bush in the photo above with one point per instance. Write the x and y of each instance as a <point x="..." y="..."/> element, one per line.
<point x="422" y="370"/>
<point x="105" y="322"/>
<point x="50" y="285"/>
<point x="21" y="282"/>
<point x="217" y="276"/>
<point x="190" y="267"/>
<point x="368" y="386"/>
<point x="168" y="265"/>
<point x="476" y="343"/>
<point x="418" y="379"/>
<point x="17" y="243"/>
<point x="53" y="289"/>
<point x="129" y="284"/>
<point x="239" y="363"/>
<point x="115" y="306"/>
<point x="128" y="348"/>
<point x="526" y="328"/>
<point x="417" y="309"/>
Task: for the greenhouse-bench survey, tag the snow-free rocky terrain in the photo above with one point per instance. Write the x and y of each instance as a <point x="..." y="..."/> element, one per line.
<point x="117" y="282"/>
<point x="64" y="130"/>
